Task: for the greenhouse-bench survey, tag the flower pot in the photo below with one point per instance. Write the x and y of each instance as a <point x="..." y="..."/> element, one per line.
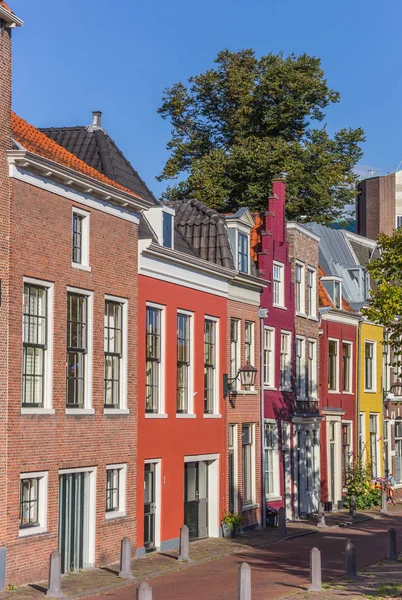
<point x="227" y="531"/>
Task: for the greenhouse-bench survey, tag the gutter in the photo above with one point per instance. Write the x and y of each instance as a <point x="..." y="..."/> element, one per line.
<point x="262" y="313"/>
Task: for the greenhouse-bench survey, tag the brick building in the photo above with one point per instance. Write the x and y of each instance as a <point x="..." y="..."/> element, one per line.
<point x="379" y="204"/>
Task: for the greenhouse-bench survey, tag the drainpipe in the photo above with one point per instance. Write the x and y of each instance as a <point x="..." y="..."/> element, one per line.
<point x="359" y="334"/>
<point x="263" y="314"/>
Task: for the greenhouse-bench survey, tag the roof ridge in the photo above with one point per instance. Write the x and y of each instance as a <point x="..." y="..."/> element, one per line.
<point x="66" y="127"/>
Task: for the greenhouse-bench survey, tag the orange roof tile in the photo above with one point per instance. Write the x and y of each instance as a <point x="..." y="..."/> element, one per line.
<point x="323" y="296"/>
<point x="38" y="143"/>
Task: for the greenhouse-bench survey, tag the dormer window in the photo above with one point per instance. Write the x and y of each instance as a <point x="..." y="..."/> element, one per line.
<point x="239" y="227"/>
<point x="167" y="230"/>
<point x="333" y="286"/>
<point x="161" y="220"/>
<point x="242" y="252"/>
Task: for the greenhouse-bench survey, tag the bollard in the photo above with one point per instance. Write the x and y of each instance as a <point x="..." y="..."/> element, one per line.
<point x="282" y="521"/>
<point x="125" y="559"/>
<point x="321" y="516"/>
<point x="350" y="559"/>
<point x="392" y="549"/>
<point x="315" y="571"/>
<point x="54" y="590"/>
<point x="184" y="548"/>
<point x="144" y="591"/>
<point x="352" y="509"/>
<point x="384" y="510"/>
<point x="244" y="582"/>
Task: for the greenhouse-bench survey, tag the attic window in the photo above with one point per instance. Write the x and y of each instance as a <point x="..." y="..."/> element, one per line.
<point x="167" y="232"/>
<point x="334" y="288"/>
<point x="242" y="252"/>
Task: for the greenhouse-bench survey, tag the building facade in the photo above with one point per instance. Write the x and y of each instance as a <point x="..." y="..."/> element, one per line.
<point x="379" y="205"/>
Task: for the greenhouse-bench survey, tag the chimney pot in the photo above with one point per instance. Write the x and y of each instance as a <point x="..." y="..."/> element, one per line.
<point x="96" y="118"/>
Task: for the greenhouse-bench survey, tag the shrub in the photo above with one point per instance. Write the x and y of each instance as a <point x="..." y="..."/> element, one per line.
<point x="359" y="485"/>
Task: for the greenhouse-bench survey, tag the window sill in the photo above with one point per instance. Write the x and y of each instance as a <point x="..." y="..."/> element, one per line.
<point x="248" y="392"/>
<point x="28" y="531"/>
<point x="334" y="392"/>
<point x="247" y="507"/>
<point x="185" y="416"/>
<point x="37" y="411"/>
<point x="212" y="416"/>
<point x="288" y="390"/>
<point x="81" y="267"/>
<point x="80" y="411"/>
<point x="271" y="388"/>
<point x="155" y="416"/>
<point x="348" y="393"/>
<point x="301" y="314"/>
<point x="116" y="411"/>
<point x="273" y="498"/>
<point x="313" y="318"/>
<point x="280" y="306"/>
<point x="118" y="514"/>
<point x="370" y="391"/>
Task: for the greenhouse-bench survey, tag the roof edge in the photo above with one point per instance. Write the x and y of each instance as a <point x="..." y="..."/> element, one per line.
<point x="10" y="18"/>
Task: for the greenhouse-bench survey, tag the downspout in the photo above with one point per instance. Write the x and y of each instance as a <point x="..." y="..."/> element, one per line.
<point x="358" y="381"/>
<point x="263" y="314"/>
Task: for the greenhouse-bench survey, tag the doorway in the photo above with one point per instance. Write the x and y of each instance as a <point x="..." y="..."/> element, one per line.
<point x="196" y="498"/>
<point x="150" y="507"/>
<point x="74" y="521"/>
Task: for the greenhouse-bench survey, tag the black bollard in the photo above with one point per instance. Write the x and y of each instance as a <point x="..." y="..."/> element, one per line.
<point x="350" y="559"/>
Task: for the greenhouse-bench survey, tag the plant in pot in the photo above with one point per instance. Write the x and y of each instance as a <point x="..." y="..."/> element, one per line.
<point x="231" y="522"/>
<point x="272" y="516"/>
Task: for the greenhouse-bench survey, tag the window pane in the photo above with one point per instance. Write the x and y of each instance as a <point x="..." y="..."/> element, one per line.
<point x="183" y="362"/>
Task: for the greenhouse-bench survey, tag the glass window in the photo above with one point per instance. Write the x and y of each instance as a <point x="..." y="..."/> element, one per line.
<point x="112" y="490"/>
<point x="242" y="240"/>
<point x="167" y="226"/>
<point x="247" y="463"/>
<point x="285" y="379"/>
<point x="346" y="450"/>
<point x="300" y="377"/>
<point x="332" y="365"/>
<point x="234" y="349"/>
<point x="312" y="369"/>
<point x="270" y="458"/>
<point x="77" y="238"/>
<point x="311" y="293"/>
<point x="153" y="359"/>
<point x="34" y="344"/>
<point x="249" y="341"/>
<point x="183" y="363"/>
<point x="77" y="315"/>
<point x="232" y="445"/>
<point x="29" y="503"/>
<point x="113" y="348"/>
<point x="385" y="438"/>
<point x="373" y="445"/>
<point x="346" y="367"/>
<point x="278" y="293"/>
<point x="209" y="366"/>
<point x="369" y="365"/>
<point x="398" y="221"/>
<point x="362" y="438"/>
<point x="337" y="294"/>
<point x="269" y="357"/>
<point x="300" y="288"/>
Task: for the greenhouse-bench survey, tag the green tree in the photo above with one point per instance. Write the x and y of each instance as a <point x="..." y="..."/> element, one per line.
<point x="385" y="306"/>
<point x="237" y="126"/>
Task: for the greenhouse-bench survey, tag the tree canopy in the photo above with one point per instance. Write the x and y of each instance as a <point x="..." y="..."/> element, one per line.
<point x="237" y="126"/>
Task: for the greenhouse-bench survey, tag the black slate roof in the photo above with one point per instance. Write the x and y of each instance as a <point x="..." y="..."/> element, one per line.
<point x="96" y="148"/>
<point x="363" y="252"/>
<point x="205" y="231"/>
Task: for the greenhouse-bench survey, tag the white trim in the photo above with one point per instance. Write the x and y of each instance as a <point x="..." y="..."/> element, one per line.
<point x="303" y="230"/>
<point x="275" y="461"/>
<point x="302" y="311"/>
<point x="116" y="411"/>
<point x="281" y="303"/>
<point x="37" y="411"/>
<point x="302" y="374"/>
<point x="216" y="400"/>
<point x="336" y="390"/>
<point x="350" y="344"/>
<point x="48" y="358"/>
<point x="79" y="411"/>
<point x="185" y="416"/>
<point x="313" y="341"/>
<point x="124" y="358"/>
<point x="248" y="505"/>
<point x="156" y="416"/>
<point x="42" y="476"/>
<point x="199" y="457"/>
<point x="339" y="316"/>
<point x="212" y="416"/>
<point x="373" y="389"/>
<point x="77" y="470"/>
<point x="235" y="464"/>
<point x="270" y="383"/>
<point x="158" y="495"/>
<point x="121" y="512"/>
<point x="213" y="490"/>
<point x="162" y="385"/>
<point x="84" y="237"/>
<point x="288" y="335"/>
<point x="338" y="458"/>
<point x="10" y="18"/>
<point x="191" y="370"/>
<point x="313" y="271"/>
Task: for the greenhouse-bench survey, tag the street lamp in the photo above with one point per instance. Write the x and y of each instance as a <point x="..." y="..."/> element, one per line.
<point x="247" y="374"/>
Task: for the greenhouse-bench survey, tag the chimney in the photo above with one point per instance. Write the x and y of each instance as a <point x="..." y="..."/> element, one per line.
<point x="277" y="206"/>
<point x="96" y="119"/>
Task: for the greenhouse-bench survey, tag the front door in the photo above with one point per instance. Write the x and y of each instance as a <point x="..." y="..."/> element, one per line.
<point x="332" y="459"/>
<point x="149" y="507"/>
<point x="196" y="498"/>
<point x="73" y="521"/>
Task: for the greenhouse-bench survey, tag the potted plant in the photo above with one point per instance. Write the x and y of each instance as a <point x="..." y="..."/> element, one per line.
<point x="231" y="522"/>
<point x="272" y="516"/>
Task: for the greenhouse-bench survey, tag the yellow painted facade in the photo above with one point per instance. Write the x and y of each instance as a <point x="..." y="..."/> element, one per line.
<point x="371" y="396"/>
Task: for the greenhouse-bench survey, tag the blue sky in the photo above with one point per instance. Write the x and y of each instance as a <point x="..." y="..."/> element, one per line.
<point x="74" y="56"/>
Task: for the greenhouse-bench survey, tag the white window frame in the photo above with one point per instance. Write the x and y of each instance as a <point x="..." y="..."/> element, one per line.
<point x="379" y="461"/>
<point x="398" y="221"/>
<point x="42" y="476"/>
<point x="362" y="436"/>
<point x="288" y="385"/>
<point x="302" y="289"/>
<point x="314" y="394"/>
<point x="252" y="348"/>
<point x="216" y="408"/>
<point x="348" y="343"/>
<point x="123" y="362"/>
<point x="269" y="382"/>
<point x="121" y="511"/>
<point x="88" y="409"/>
<point x="300" y="379"/>
<point x="312" y="314"/>
<point x="240" y="232"/>
<point x="235" y="465"/>
<point x="84" y="265"/>
<point x="236" y="382"/>
<point x="373" y="389"/>
<point x="190" y="401"/>
<point x="48" y="358"/>
<point x="251" y="504"/>
<point x="161" y="386"/>
<point x="281" y="285"/>
<point x="336" y="390"/>
<point x="275" y="495"/>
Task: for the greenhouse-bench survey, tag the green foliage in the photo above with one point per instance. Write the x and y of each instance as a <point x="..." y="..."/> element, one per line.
<point x="385" y="306"/>
<point x="237" y="126"/>
<point x="359" y="485"/>
<point x="231" y="519"/>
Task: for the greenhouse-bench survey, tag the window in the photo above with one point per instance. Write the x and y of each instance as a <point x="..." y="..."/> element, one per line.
<point x="311" y="292"/>
<point x="183" y="363"/>
<point x="300" y="368"/>
<point x="232" y="466"/>
<point x="333" y="365"/>
<point x="300" y="288"/>
<point x="249" y="341"/>
<point x="113" y="348"/>
<point x="247" y="464"/>
<point x="271" y="459"/>
<point x="33" y="503"/>
<point x="362" y="436"/>
<point x="167" y="230"/>
<point x="337" y="295"/>
<point x="346" y="367"/>
<point x="333" y="287"/>
<point x="285" y="379"/>
<point x="373" y="445"/>
<point x="80" y="238"/>
<point x="209" y="366"/>
<point x="369" y="366"/>
<point x="77" y="334"/>
<point x="398" y="451"/>
<point x="34" y="345"/>
<point x="312" y="369"/>
<point x="269" y="357"/>
<point x="234" y="350"/>
<point x="346" y="449"/>
<point x="386" y="447"/>
<point x="115" y="490"/>
<point x="242" y="250"/>
<point x="398" y="221"/>
<point x="153" y="359"/>
<point x="279" y="295"/>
